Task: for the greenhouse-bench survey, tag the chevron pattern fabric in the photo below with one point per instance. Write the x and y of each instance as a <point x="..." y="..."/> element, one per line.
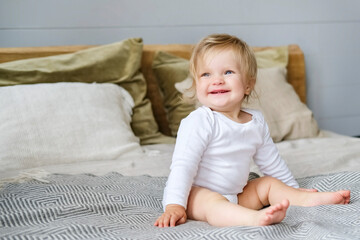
<point x="122" y="207"/>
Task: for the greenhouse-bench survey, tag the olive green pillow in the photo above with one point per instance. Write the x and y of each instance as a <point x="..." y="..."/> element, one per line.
<point x="272" y="57"/>
<point x="170" y="69"/>
<point x="113" y="63"/>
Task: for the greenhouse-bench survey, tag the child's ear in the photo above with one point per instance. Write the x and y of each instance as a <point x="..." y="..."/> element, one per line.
<point x="249" y="86"/>
<point x="247" y="90"/>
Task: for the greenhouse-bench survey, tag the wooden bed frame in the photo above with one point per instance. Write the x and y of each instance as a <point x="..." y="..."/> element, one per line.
<point x="295" y="68"/>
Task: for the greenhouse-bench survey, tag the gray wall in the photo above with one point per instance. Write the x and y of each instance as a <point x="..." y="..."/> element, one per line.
<point x="328" y="31"/>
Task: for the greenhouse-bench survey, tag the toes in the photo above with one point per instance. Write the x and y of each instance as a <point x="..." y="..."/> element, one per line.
<point x="270" y="211"/>
<point x="278" y="207"/>
<point x="285" y="203"/>
<point x="346" y="196"/>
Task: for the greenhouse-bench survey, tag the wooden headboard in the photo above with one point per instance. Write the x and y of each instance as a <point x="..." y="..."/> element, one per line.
<point x="296" y="65"/>
<point x="295" y="68"/>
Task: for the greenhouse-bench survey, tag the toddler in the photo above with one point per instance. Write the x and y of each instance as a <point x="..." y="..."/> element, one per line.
<point x="216" y="143"/>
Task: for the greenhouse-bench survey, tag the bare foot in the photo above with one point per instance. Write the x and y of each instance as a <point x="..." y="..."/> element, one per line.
<point x="325" y="198"/>
<point x="274" y="214"/>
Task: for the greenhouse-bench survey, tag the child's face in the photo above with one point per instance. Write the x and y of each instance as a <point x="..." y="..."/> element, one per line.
<point x="220" y="83"/>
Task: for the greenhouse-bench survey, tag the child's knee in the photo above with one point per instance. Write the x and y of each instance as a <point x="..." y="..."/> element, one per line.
<point x="200" y="201"/>
<point x="269" y="179"/>
<point x="263" y="184"/>
<point x="205" y="194"/>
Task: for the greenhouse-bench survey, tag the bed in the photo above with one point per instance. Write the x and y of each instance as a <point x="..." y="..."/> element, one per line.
<point x="87" y="134"/>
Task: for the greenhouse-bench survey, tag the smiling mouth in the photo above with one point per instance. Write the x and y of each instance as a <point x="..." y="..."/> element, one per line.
<point x="219" y="91"/>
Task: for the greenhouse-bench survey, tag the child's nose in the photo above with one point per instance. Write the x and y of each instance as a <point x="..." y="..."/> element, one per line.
<point x="218" y="80"/>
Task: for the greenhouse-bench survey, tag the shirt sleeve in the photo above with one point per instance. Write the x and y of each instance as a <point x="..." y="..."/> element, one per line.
<point x="269" y="160"/>
<point x="192" y="139"/>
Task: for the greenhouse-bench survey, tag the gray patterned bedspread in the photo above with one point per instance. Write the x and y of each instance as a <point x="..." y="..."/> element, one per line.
<point x="121" y="207"/>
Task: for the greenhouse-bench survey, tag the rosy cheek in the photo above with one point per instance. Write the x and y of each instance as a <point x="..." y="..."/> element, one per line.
<point x="200" y="93"/>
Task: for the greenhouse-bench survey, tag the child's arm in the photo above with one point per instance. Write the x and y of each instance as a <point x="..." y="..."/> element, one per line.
<point x="270" y="162"/>
<point x="174" y="215"/>
<point x="190" y="144"/>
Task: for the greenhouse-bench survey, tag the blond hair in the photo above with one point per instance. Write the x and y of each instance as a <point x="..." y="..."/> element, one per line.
<point x="220" y="42"/>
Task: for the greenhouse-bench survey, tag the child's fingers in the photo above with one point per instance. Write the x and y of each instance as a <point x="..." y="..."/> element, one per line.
<point x="182" y="220"/>
<point x="160" y="222"/>
<point x="176" y="220"/>
<point x="171" y="218"/>
<point x="166" y="221"/>
<point x="173" y="221"/>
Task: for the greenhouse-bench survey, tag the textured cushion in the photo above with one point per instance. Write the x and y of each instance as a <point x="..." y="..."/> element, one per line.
<point x="113" y="63"/>
<point x="287" y="117"/>
<point x="45" y="124"/>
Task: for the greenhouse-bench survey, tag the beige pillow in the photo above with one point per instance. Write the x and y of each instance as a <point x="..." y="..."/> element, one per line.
<point x="287" y="119"/>
<point x="113" y="63"/>
<point x="60" y="123"/>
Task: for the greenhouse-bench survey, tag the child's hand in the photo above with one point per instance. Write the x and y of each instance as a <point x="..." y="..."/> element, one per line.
<point x="174" y="215"/>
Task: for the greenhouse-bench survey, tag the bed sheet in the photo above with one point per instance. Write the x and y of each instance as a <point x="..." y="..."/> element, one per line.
<point x="328" y="153"/>
<point x="120" y="199"/>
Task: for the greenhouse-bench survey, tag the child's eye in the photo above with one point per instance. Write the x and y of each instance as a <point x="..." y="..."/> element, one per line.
<point x="205" y="75"/>
<point x="228" y="72"/>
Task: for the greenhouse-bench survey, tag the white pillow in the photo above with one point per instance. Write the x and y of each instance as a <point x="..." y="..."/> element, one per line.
<point x="46" y="124"/>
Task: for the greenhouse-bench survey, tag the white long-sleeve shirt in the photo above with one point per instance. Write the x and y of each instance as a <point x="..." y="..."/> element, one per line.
<point x="215" y="152"/>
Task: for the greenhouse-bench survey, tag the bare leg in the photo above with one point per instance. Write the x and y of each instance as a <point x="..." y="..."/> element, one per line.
<point x="271" y="191"/>
<point x="205" y="205"/>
